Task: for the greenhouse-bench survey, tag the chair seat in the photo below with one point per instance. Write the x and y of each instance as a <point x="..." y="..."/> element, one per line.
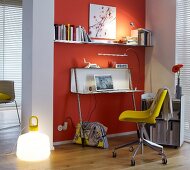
<point x="137" y="116"/>
<point x="4" y="96"/>
<point x="141" y="118"/>
<point x="7" y="94"/>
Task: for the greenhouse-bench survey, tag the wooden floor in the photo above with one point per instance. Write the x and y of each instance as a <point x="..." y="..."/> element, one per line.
<point x="74" y="157"/>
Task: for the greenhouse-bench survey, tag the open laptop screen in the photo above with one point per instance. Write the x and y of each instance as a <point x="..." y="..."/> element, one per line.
<point x="103" y="82"/>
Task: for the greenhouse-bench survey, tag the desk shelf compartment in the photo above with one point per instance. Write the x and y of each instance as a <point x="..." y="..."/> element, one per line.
<point x="170" y="133"/>
<point x="82" y="80"/>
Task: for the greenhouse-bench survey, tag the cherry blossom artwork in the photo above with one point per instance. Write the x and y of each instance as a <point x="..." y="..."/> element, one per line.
<point x="102" y="21"/>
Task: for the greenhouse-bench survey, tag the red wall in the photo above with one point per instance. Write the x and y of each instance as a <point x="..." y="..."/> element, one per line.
<point x="107" y="107"/>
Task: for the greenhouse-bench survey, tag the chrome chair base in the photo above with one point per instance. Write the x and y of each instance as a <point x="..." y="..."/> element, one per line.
<point x="141" y="142"/>
<point x="17" y="112"/>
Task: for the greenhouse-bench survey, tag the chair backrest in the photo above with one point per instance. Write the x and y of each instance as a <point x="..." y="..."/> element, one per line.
<point x="7" y="87"/>
<point x="157" y="104"/>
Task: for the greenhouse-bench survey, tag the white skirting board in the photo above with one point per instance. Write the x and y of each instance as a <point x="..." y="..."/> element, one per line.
<point x="109" y="136"/>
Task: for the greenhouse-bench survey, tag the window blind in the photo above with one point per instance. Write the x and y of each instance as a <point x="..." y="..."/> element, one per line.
<point x="11" y="43"/>
<point x="183" y="55"/>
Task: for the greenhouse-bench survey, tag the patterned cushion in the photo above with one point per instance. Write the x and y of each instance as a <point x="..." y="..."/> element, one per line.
<point x="94" y="134"/>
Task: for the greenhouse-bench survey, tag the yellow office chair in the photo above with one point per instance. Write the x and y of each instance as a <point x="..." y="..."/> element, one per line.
<point x="143" y="117"/>
<point x="7" y="94"/>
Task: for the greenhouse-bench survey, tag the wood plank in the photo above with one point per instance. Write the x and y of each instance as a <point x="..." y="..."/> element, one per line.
<point x="75" y="157"/>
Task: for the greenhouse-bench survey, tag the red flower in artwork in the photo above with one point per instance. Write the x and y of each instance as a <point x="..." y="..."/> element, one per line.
<point x="176" y="68"/>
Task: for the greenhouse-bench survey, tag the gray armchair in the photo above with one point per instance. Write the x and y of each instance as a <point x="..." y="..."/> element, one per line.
<point x="7" y="94"/>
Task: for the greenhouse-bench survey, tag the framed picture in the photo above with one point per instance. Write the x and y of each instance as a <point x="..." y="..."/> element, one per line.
<point x="102" y="21"/>
<point x="103" y="82"/>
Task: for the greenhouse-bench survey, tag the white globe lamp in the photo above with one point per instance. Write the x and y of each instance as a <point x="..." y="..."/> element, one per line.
<point x="33" y="146"/>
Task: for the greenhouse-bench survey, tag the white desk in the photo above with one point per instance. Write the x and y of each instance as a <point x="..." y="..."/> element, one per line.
<point x="83" y="78"/>
<point x="111" y="91"/>
<point x="83" y="83"/>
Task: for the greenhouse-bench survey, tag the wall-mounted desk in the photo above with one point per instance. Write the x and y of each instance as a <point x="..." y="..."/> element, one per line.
<point x="83" y="83"/>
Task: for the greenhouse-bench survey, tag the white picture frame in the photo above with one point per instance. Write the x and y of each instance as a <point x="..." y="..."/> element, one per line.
<point x="102" y="22"/>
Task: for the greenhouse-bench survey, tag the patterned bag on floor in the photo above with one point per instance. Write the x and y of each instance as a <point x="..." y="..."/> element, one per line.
<point x="94" y="134"/>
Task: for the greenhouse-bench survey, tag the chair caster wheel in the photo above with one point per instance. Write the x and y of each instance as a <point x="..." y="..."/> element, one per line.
<point x="114" y="154"/>
<point x="131" y="149"/>
<point x="164" y="161"/>
<point x="132" y="162"/>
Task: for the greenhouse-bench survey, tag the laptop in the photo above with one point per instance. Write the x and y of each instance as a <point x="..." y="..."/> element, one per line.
<point x="103" y="82"/>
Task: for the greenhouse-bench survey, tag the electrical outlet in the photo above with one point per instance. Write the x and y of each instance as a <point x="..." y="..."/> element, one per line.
<point x="60" y="128"/>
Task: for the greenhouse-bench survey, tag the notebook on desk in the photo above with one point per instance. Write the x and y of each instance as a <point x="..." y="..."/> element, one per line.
<point x="103" y="82"/>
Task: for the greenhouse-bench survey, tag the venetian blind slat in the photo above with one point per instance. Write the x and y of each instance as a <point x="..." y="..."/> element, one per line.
<point x="11" y="43"/>
<point x="183" y="55"/>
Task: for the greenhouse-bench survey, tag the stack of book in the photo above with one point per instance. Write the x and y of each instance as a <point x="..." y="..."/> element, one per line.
<point x="64" y="32"/>
<point x="141" y="36"/>
<point x="81" y="34"/>
<point x="71" y="33"/>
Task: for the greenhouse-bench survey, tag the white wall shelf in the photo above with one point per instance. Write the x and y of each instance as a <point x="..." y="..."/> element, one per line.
<point x="97" y="43"/>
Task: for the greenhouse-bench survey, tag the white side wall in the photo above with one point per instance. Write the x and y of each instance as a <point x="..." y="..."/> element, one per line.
<point x="159" y="59"/>
<point x="37" y="97"/>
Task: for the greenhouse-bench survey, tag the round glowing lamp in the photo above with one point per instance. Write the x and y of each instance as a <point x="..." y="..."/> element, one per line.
<point x="33" y="146"/>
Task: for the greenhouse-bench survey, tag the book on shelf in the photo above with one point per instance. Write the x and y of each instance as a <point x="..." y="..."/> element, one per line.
<point x="72" y="32"/>
<point x="82" y="35"/>
<point x="56" y="31"/>
<point x="60" y="32"/>
<point x="64" y="32"/>
<point x="77" y="35"/>
<point x="142" y="36"/>
<point x="149" y="38"/>
<point x="86" y="36"/>
<point x="69" y="32"/>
